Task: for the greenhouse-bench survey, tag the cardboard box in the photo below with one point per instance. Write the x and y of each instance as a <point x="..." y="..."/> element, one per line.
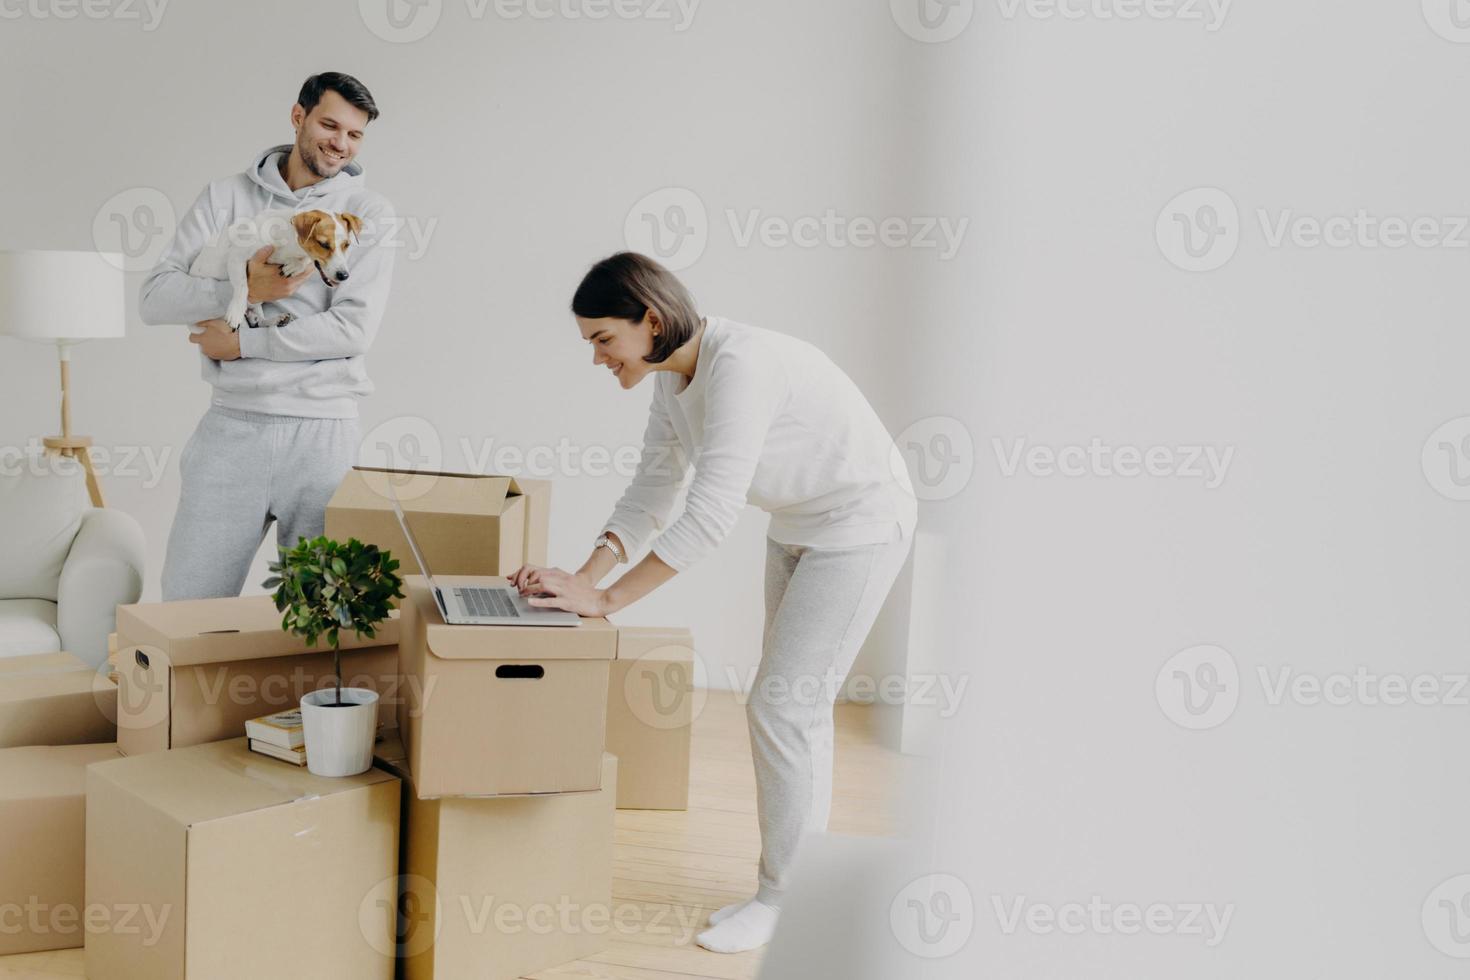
<point x="502" y="888"/>
<point x="55" y="699"/>
<point x="196" y="670"/>
<point x="495" y="710"/>
<point x="464" y="523"/>
<point x="651" y="704"/>
<point x="231" y="864"/>
<point x="43" y="815"/>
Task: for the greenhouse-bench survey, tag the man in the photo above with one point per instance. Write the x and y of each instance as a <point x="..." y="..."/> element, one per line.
<point x="282" y="428"/>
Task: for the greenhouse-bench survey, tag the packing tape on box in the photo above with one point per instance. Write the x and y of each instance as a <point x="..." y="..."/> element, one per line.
<point x="256" y="772"/>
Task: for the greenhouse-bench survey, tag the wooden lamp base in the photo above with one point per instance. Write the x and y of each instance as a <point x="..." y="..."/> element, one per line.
<point x="70" y="445"/>
<point x="76" y="447"/>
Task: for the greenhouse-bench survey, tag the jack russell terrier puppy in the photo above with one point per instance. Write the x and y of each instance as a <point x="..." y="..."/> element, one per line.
<point x="301" y="239"/>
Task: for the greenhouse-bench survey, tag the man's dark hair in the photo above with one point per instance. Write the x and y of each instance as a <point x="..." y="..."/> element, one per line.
<point x="626" y="286"/>
<point x="344" y="85"/>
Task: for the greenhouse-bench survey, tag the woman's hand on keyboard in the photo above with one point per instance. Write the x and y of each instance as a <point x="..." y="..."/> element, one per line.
<point x="555" y="588"/>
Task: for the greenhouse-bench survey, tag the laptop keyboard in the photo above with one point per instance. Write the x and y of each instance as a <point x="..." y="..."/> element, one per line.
<point x="487" y="602"/>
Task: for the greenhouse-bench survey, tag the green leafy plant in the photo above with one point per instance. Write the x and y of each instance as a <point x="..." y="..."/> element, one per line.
<point x="324" y="587"/>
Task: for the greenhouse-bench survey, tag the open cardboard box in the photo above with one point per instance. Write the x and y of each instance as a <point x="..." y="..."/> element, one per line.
<point x="42" y="855"/>
<point x="497" y="710"/>
<point x="464" y="523"/>
<point x="55" y="699"/>
<point x="232" y="864"/>
<point x="196" y="670"/>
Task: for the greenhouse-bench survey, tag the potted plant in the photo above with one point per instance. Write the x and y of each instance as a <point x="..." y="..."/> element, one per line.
<point x="325" y="587"/>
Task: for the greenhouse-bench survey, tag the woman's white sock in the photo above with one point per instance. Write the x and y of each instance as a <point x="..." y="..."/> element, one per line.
<point x="750" y="926"/>
<point x="721" y="915"/>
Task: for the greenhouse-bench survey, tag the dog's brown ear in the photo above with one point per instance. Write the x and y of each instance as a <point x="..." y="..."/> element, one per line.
<point x="353" y="223"/>
<point x="305" y="221"/>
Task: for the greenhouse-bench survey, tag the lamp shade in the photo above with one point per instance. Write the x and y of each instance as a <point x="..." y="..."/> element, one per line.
<point x="61" y="295"/>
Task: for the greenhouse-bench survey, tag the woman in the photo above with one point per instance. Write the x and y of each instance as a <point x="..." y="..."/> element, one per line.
<point x="768" y="420"/>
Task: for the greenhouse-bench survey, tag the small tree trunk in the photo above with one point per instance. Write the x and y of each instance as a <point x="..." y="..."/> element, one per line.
<point x="337" y="670"/>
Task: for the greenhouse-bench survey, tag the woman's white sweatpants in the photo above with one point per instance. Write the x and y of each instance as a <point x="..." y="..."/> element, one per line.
<point x="820" y="605"/>
<point x="241" y="471"/>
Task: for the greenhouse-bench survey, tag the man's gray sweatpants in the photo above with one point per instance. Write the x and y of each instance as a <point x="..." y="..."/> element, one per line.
<point x="820" y="605"/>
<point x="240" y="471"/>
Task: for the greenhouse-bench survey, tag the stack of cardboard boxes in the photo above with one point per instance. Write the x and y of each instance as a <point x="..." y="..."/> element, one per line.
<point x="56" y="717"/>
<point x="479" y="845"/>
<point x="207" y="860"/>
<point x="508" y="741"/>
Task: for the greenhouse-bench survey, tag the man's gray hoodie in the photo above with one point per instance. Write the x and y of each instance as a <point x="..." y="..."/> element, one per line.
<point x="314" y="365"/>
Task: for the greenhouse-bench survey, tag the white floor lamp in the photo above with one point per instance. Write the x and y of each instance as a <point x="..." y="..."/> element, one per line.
<point x="63" y="298"/>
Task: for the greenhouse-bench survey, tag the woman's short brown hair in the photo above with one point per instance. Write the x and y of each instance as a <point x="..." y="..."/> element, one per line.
<point x="626" y="286"/>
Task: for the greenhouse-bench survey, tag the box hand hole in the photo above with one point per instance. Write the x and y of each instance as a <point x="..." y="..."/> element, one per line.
<point x="530" y="671"/>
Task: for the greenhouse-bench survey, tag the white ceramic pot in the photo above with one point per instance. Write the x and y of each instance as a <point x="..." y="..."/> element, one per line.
<point x="339" y="739"/>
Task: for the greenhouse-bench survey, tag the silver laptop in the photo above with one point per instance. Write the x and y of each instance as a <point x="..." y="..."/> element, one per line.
<point x="487" y="603"/>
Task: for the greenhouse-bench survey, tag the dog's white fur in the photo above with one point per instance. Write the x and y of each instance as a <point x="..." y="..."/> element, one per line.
<point x="226" y="255"/>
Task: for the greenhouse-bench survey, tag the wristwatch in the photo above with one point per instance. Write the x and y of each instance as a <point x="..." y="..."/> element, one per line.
<point x="606" y="542"/>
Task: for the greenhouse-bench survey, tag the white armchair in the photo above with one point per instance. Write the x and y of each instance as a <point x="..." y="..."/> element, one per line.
<point x="64" y="565"/>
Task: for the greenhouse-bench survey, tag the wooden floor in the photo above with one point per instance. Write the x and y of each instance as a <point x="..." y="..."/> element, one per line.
<point x="677" y="867"/>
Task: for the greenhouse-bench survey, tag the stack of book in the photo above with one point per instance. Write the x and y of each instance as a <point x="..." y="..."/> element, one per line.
<point x="279" y="736"/>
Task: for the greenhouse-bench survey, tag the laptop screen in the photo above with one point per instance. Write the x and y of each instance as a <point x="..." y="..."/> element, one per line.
<point x="403" y="523"/>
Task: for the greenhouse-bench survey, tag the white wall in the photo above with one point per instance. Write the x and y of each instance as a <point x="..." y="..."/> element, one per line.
<point x="520" y="145"/>
<point x="1325" y="829"/>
